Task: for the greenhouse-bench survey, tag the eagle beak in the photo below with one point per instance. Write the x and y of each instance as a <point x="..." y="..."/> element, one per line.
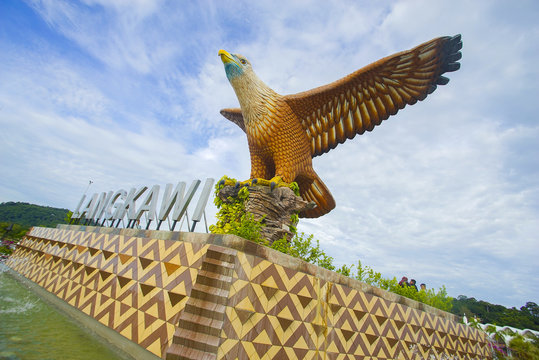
<point x="226" y="57"/>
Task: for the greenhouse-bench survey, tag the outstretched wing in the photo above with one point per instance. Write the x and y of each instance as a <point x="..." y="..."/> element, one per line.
<point x="235" y="116"/>
<point x="338" y="111"/>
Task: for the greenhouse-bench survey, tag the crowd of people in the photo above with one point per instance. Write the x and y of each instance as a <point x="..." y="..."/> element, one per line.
<point x="404" y="282"/>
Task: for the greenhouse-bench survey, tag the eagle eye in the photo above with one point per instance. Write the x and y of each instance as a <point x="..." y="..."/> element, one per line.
<point x="243" y="61"/>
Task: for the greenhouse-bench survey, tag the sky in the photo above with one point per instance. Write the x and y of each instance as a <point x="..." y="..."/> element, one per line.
<point x="127" y="93"/>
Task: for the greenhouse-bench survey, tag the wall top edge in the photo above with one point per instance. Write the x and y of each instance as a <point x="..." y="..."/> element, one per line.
<point x="251" y="248"/>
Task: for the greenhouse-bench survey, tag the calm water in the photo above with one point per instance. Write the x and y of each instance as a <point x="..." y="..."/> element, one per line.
<point x="32" y="329"/>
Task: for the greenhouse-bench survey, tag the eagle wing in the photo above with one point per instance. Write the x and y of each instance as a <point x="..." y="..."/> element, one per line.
<point x="234" y="115"/>
<point x="338" y="111"/>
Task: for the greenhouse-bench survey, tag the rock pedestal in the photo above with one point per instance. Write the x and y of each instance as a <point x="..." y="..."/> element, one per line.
<point x="273" y="208"/>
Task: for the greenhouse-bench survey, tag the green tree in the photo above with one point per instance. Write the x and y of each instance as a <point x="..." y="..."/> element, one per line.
<point x="531" y="309"/>
<point x="525" y="318"/>
<point x="10" y="233"/>
<point x="28" y="215"/>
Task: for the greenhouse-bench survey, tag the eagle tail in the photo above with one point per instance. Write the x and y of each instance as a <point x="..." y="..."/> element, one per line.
<point x="317" y="192"/>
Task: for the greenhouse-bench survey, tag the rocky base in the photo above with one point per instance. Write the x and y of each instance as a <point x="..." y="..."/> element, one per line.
<point x="272" y="208"/>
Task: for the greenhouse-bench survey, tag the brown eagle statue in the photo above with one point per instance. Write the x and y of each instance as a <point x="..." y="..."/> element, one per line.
<point x="285" y="132"/>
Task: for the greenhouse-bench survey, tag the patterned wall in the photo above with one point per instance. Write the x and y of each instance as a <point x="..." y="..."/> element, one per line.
<point x="289" y="314"/>
<point x="199" y="296"/>
<point x="133" y="285"/>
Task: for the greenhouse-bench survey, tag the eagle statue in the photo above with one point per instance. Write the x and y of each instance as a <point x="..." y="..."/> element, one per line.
<point x="285" y="132"/>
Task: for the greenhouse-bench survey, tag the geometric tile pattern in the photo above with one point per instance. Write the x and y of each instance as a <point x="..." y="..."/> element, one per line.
<point x="199" y="300"/>
<point x="136" y="286"/>
<point x="278" y="313"/>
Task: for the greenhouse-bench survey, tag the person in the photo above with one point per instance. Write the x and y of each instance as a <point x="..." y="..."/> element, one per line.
<point x="404" y="282"/>
<point x="412" y="284"/>
<point x="423" y="287"/>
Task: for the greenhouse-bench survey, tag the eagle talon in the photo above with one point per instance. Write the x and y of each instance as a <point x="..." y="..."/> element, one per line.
<point x="254" y="181"/>
<point x="221" y="182"/>
<point x="237" y="185"/>
<point x="272" y="185"/>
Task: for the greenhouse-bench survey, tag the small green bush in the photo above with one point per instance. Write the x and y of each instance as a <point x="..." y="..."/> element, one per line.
<point x="232" y="218"/>
<point x="5" y="250"/>
<point x="524" y="349"/>
<point x="437" y="299"/>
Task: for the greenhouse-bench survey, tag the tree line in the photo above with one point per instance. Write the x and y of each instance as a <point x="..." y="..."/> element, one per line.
<point x="28" y="215"/>
<point x="527" y="317"/>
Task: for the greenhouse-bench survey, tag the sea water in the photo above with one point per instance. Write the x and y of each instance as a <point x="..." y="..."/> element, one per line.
<point x="31" y="329"/>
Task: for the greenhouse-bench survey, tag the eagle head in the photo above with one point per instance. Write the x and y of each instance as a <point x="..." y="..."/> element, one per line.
<point x="235" y="64"/>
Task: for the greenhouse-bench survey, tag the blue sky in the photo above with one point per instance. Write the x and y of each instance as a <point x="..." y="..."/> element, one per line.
<point x="128" y="93"/>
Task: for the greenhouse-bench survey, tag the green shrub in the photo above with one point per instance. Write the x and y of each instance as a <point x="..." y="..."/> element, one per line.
<point x="437" y="299"/>
<point x="5" y="250"/>
<point x="524" y="349"/>
<point x="232" y="219"/>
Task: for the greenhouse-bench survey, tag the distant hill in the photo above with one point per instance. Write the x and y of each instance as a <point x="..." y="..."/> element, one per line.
<point x="525" y="318"/>
<point x="26" y="214"/>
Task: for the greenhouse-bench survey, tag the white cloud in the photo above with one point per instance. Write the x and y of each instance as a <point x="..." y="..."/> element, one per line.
<point x="121" y="34"/>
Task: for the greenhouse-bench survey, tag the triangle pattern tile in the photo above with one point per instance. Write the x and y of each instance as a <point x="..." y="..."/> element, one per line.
<point x="141" y="286"/>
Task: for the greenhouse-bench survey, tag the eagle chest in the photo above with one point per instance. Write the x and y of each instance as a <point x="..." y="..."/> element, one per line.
<point x="277" y="133"/>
